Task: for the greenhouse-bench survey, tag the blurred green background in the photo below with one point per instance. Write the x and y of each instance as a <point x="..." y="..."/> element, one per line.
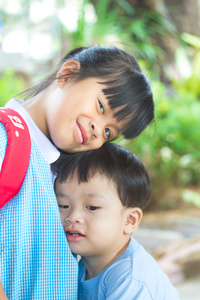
<point x="35" y="34"/>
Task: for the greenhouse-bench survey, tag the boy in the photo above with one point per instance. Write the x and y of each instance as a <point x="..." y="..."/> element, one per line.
<point x="101" y="195"/>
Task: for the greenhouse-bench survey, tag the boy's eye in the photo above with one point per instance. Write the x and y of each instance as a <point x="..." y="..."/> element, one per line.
<point x="63" y="206"/>
<point x="107" y="131"/>
<point x="101" y="107"/>
<point x="91" y="207"/>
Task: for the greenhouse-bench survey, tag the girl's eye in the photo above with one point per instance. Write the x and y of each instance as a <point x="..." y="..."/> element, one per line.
<point x="63" y="206"/>
<point x="101" y="107"/>
<point x="107" y="131"/>
<point x="90" y="207"/>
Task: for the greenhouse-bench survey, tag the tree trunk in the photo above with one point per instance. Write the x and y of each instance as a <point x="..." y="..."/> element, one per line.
<point x="185" y="15"/>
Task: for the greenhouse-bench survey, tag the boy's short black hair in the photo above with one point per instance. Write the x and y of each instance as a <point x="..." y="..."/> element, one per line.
<point x="118" y="164"/>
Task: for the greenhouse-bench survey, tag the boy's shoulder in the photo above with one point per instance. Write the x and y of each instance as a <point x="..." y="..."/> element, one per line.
<point x="137" y="272"/>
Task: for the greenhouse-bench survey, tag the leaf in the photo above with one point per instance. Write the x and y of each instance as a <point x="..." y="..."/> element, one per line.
<point x="191" y="197"/>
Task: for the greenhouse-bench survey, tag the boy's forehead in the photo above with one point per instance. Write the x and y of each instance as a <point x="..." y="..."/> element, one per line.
<point x="97" y="184"/>
<point x="99" y="188"/>
<point x="95" y="179"/>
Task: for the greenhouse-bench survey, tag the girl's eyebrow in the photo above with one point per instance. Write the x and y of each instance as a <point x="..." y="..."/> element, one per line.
<point x="117" y="127"/>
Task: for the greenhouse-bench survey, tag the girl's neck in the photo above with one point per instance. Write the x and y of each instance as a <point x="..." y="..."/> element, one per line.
<point x="36" y="110"/>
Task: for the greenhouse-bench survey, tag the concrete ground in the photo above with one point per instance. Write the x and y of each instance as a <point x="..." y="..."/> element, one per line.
<point x="189" y="289"/>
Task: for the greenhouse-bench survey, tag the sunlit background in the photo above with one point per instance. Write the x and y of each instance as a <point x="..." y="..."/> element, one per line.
<point x="164" y="35"/>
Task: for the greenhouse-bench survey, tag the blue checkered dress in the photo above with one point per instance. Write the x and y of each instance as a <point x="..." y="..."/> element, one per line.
<point x="35" y="259"/>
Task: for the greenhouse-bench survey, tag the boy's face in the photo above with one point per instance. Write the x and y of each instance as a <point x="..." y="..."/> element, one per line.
<point x="92" y="215"/>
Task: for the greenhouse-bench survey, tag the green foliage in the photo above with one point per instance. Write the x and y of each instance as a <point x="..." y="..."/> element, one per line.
<point x="143" y="28"/>
<point x="171" y="150"/>
<point x="192" y="82"/>
<point x="191" y="39"/>
<point x="95" y="31"/>
<point x="119" y="22"/>
<point x="10" y="85"/>
<point x="191" y="197"/>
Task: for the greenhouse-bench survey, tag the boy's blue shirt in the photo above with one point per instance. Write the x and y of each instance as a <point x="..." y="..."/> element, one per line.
<point x="135" y="275"/>
<point x="35" y="259"/>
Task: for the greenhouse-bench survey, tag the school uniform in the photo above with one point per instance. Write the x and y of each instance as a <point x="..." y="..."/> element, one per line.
<point x="35" y="259"/>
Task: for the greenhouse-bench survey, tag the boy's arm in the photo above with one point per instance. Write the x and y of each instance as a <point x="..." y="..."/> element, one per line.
<point x="2" y="293"/>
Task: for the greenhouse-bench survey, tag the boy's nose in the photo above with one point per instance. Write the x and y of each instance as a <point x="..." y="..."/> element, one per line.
<point x="74" y="217"/>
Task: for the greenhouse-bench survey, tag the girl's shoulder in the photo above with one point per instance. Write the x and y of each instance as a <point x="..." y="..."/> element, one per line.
<point x="15" y="149"/>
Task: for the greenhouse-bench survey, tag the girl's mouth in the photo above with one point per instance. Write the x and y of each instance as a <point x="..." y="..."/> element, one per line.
<point x="81" y="134"/>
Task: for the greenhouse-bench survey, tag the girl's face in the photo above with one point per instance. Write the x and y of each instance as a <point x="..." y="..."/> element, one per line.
<point x="78" y="116"/>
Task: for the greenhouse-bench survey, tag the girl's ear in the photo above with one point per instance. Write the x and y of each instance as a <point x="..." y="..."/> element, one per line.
<point x="68" y="67"/>
<point x="133" y="218"/>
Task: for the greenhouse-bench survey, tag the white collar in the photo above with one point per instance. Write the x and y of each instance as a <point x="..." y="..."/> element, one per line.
<point x="49" y="151"/>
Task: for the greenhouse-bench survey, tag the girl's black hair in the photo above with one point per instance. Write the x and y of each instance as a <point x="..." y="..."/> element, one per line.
<point x="127" y="86"/>
<point x="118" y="164"/>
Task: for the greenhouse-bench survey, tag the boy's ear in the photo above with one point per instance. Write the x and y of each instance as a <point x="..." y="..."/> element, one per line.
<point x="133" y="218"/>
<point x="68" y="67"/>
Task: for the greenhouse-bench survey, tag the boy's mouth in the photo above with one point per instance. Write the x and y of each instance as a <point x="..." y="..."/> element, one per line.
<point x="74" y="233"/>
<point x="73" y="236"/>
<point x="82" y="133"/>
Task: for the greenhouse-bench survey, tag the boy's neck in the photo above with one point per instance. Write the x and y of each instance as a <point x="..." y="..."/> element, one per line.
<point x="96" y="264"/>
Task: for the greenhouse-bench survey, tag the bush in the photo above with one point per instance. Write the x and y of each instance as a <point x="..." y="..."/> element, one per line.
<point x="11" y="83"/>
<point x="170" y="147"/>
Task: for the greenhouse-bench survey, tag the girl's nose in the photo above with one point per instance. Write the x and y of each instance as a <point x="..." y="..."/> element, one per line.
<point x="96" y="128"/>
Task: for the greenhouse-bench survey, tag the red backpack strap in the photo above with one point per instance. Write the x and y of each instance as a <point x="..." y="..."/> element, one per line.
<point x="17" y="155"/>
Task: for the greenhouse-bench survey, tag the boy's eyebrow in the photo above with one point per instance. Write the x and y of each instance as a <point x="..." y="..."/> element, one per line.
<point x="61" y="194"/>
<point x="87" y="194"/>
<point x="95" y="195"/>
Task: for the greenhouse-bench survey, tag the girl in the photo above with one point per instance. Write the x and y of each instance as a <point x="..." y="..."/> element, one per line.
<point x="93" y="96"/>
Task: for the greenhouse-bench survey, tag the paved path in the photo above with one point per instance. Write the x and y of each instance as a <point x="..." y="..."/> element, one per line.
<point x="190" y="289"/>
